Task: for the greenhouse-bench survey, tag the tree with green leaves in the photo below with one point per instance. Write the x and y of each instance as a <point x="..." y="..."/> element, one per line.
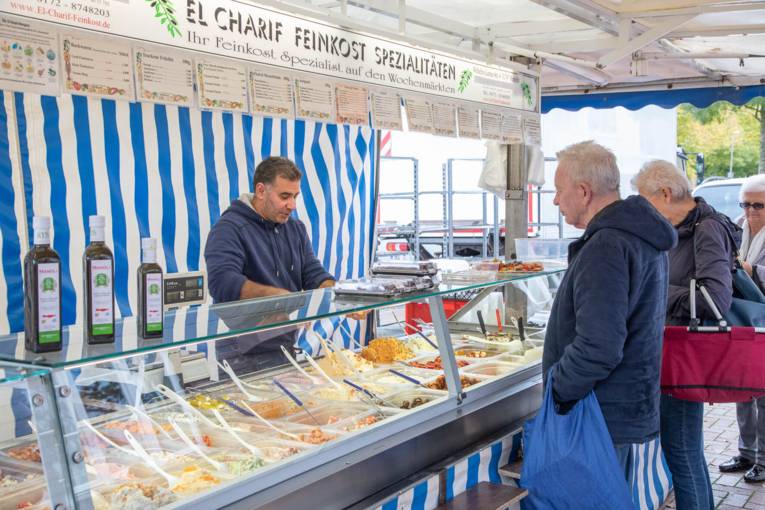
<point x="714" y="129"/>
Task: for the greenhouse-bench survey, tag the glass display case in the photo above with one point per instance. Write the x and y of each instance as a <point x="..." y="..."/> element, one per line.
<point x="223" y="411"/>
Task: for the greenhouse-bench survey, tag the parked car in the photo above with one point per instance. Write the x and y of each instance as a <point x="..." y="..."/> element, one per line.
<point x="722" y="194"/>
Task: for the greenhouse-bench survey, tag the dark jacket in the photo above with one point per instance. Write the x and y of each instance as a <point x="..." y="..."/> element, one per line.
<point x="243" y="245"/>
<point x="711" y="265"/>
<point x="606" y="324"/>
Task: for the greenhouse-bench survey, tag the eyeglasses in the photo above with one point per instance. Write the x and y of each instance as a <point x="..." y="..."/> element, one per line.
<point x="757" y="206"/>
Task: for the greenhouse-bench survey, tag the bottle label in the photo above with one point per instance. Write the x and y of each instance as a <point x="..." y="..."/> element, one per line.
<point x="102" y="297"/>
<point x="49" y="303"/>
<point x="153" y="300"/>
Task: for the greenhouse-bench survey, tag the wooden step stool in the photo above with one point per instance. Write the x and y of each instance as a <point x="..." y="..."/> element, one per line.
<point x="512" y="470"/>
<point x="486" y="496"/>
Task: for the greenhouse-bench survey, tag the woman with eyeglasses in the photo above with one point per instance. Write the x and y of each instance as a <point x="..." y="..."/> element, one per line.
<point x="705" y="252"/>
<point x="751" y="415"/>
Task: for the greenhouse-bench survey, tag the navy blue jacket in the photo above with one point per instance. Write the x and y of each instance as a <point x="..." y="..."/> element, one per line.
<point x="243" y="245"/>
<point x="606" y="324"/>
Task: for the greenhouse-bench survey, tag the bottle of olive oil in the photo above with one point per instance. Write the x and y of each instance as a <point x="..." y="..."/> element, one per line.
<point x="98" y="272"/>
<point x="42" y="296"/>
<point x="150" y="292"/>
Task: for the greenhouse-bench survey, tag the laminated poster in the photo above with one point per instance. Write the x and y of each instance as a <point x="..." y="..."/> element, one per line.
<point x="164" y="77"/>
<point x="532" y="130"/>
<point x="419" y="115"/>
<point x="97" y="67"/>
<point x="315" y="99"/>
<point x="467" y="119"/>
<point x="386" y="110"/>
<point x="352" y="104"/>
<point x="29" y="57"/>
<point x="510" y="129"/>
<point x="271" y="94"/>
<point x="444" y="119"/>
<point x="490" y="125"/>
<point x="222" y="86"/>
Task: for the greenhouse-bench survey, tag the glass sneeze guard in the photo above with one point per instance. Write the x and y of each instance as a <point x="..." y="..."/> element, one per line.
<point x="210" y="322"/>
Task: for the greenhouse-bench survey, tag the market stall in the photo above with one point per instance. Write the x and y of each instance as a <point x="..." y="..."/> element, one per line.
<point x="154" y="117"/>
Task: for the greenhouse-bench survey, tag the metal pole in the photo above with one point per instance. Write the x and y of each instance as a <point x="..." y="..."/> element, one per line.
<point x="450" y="209"/>
<point x="496" y="227"/>
<point x="416" y="168"/>
<point x="444" y="215"/>
<point x="484" y="228"/>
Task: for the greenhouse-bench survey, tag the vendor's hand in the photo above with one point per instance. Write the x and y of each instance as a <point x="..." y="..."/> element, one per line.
<point x="747" y="267"/>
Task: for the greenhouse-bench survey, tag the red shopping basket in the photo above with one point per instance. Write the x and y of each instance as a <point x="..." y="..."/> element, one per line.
<point x="713" y="364"/>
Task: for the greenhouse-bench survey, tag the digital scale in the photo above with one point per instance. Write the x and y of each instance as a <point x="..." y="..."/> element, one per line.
<point x="183" y="289"/>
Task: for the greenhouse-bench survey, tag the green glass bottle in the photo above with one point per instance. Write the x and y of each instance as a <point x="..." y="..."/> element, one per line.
<point x="150" y="291"/>
<point x="98" y="273"/>
<point x="42" y="292"/>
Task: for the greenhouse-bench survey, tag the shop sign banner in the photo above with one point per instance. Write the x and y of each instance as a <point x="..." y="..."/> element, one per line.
<point x="240" y="30"/>
<point x="29" y="57"/>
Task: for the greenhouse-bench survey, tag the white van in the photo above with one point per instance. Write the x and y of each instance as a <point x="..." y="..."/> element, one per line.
<point x="722" y="194"/>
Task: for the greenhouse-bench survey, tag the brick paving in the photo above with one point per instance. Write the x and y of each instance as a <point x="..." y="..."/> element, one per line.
<point x="720" y="444"/>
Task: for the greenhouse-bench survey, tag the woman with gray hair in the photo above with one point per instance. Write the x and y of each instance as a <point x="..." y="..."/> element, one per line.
<point x="751" y="442"/>
<point x="704" y="252"/>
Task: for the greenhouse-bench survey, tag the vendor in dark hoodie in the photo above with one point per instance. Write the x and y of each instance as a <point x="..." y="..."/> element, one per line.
<point x="606" y="324"/>
<point x="258" y="249"/>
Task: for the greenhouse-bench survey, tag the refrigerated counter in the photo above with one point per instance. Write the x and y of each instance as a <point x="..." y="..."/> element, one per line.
<point x="164" y="423"/>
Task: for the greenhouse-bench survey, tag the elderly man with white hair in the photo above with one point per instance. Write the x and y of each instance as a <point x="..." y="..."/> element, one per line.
<point x="751" y="415"/>
<point x="705" y="251"/>
<point x="606" y="324"/>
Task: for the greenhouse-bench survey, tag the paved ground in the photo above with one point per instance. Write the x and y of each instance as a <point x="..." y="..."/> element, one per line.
<point x="721" y="440"/>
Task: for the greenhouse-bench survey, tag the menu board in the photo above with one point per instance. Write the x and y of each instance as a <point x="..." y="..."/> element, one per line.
<point x="222" y="86"/>
<point x="490" y="125"/>
<point x="29" y="57"/>
<point x="271" y="94"/>
<point x="532" y="130"/>
<point x="352" y="104"/>
<point x="444" y="119"/>
<point x="467" y="119"/>
<point x="164" y="77"/>
<point x="510" y="128"/>
<point x="419" y="115"/>
<point x="386" y="110"/>
<point x="97" y="67"/>
<point x="315" y="99"/>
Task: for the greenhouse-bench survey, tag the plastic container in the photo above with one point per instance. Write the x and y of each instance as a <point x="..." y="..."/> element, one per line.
<point x="432" y="362"/>
<point x="475" y="353"/>
<point x="331" y="414"/>
<point x="542" y="249"/>
<point x="491" y="369"/>
<point x="411" y="399"/>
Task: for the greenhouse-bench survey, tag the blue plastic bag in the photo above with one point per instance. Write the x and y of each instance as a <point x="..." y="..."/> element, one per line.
<point x="569" y="461"/>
